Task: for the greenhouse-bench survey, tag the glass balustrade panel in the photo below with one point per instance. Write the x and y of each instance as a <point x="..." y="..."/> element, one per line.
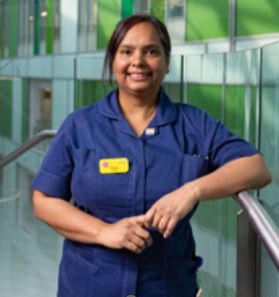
<point x="270" y="149"/>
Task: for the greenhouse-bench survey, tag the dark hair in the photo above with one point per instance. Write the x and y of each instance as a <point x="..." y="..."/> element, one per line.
<point x="123" y="27"/>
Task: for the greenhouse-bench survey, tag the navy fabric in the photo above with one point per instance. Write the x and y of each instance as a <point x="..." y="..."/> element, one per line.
<point x="187" y="143"/>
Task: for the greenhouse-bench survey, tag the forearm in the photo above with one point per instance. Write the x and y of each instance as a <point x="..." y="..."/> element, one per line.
<point x="66" y="219"/>
<point x="240" y="174"/>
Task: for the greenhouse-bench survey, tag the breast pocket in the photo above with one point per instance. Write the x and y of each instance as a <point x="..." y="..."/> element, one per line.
<point x="93" y="188"/>
<point x="193" y="166"/>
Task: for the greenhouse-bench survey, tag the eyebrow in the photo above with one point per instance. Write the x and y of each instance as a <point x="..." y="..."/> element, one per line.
<point x="146" y="46"/>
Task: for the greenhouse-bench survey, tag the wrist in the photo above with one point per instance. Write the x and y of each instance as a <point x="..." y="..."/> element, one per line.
<point x="100" y="235"/>
<point x="192" y="191"/>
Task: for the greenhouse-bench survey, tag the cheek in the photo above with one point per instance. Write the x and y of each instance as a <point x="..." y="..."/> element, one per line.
<point x="120" y="65"/>
<point x="160" y="68"/>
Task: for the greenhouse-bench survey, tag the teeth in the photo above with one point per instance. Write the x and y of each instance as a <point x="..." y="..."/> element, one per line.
<point x="138" y="75"/>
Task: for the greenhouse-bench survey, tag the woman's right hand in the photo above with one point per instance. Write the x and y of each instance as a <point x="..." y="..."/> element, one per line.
<point x="128" y="233"/>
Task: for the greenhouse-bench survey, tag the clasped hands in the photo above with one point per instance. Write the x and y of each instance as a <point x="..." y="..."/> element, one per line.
<point x="132" y="233"/>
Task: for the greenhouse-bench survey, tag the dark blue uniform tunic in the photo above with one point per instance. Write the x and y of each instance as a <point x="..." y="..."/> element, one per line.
<point x="184" y="143"/>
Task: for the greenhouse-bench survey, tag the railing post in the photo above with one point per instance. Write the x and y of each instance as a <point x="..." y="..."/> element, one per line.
<point x="247" y="258"/>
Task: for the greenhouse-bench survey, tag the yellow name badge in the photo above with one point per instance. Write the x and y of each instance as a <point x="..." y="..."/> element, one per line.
<point x="114" y="165"/>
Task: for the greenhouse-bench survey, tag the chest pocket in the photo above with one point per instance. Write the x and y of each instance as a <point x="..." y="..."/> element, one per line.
<point x="93" y="189"/>
<point x="193" y="166"/>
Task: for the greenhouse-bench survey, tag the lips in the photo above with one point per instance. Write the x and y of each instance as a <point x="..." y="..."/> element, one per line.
<point x="138" y="76"/>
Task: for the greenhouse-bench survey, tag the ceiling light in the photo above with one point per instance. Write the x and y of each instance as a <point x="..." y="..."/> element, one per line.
<point x="44" y="14"/>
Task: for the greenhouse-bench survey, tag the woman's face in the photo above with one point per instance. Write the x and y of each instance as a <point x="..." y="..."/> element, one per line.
<point x="140" y="63"/>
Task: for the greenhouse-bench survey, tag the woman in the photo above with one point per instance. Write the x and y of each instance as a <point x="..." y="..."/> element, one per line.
<point x="136" y="165"/>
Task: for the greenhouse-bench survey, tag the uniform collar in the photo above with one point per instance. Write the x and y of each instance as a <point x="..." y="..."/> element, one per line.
<point x="166" y="109"/>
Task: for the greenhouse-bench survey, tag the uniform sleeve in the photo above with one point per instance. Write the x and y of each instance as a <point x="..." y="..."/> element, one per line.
<point x="222" y="145"/>
<point x="54" y="176"/>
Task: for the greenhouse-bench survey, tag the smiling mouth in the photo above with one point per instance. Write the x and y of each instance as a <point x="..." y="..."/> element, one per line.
<point x="139" y="76"/>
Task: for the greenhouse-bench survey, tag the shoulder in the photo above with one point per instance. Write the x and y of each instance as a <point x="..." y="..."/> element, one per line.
<point x="191" y="111"/>
<point x="196" y="117"/>
<point x="90" y="110"/>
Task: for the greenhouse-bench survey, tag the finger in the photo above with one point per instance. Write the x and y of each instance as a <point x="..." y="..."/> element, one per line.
<point x="149" y="217"/>
<point x="163" y="224"/>
<point x="149" y="241"/>
<point x="139" y="219"/>
<point x="144" y="234"/>
<point x="156" y="220"/>
<point x="170" y="227"/>
<point x="133" y="248"/>
<point x="138" y="241"/>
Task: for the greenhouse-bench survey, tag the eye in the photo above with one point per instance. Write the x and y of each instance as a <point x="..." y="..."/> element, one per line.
<point x="153" y="52"/>
<point x="125" y="51"/>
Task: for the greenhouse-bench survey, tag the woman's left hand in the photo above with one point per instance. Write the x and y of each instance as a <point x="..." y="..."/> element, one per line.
<point x="169" y="210"/>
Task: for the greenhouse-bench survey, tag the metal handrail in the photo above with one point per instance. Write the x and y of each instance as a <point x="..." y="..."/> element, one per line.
<point x="43" y="135"/>
<point x="262" y="223"/>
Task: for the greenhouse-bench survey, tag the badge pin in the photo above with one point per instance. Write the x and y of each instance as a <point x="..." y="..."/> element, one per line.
<point x="150" y="131"/>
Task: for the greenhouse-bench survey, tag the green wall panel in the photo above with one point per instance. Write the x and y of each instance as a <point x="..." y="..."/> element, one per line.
<point x="206" y="19"/>
<point x="173" y="90"/>
<point x="222" y="214"/>
<point x="234" y="109"/>
<point x="6" y="108"/>
<point x="127" y="8"/>
<point x="25" y="110"/>
<point x="208" y="97"/>
<point x="212" y="99"/>
<point x="257" y="17"/>
<point x="109" y="13"/>
<point x="1" y="31"/>
<point x="50" y="26"/>
<point x="194" y="94"/>
<point x="158" y="9"/>
<point x="13" y="27"/>
<point x="37" y="24"/>
<point x="88" y="92"/>
<point x="253" y="115"/>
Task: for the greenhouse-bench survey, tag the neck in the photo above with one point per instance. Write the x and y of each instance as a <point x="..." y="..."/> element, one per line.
<point x="138" y="110"/>
<point x="140" y="106"/>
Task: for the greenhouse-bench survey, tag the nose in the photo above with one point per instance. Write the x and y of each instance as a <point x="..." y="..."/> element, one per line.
<point x="138" y="58"/>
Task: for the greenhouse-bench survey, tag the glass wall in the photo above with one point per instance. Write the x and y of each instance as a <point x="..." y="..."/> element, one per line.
<point x="87" y="25"/>
<point x="207" y="19"/>
<point x="9" y="28"/>
<point x="32" y="27"/>
<point x="6" y="108"/>
<point x="270" y="147"/>
<point x="255" y="17"/>
<point x="241" y="89"/>
<point x="176" y="21"/>
<point x="109" y="13"/>
<point x="29" y="249"/>
<point x="29" y="27"/>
